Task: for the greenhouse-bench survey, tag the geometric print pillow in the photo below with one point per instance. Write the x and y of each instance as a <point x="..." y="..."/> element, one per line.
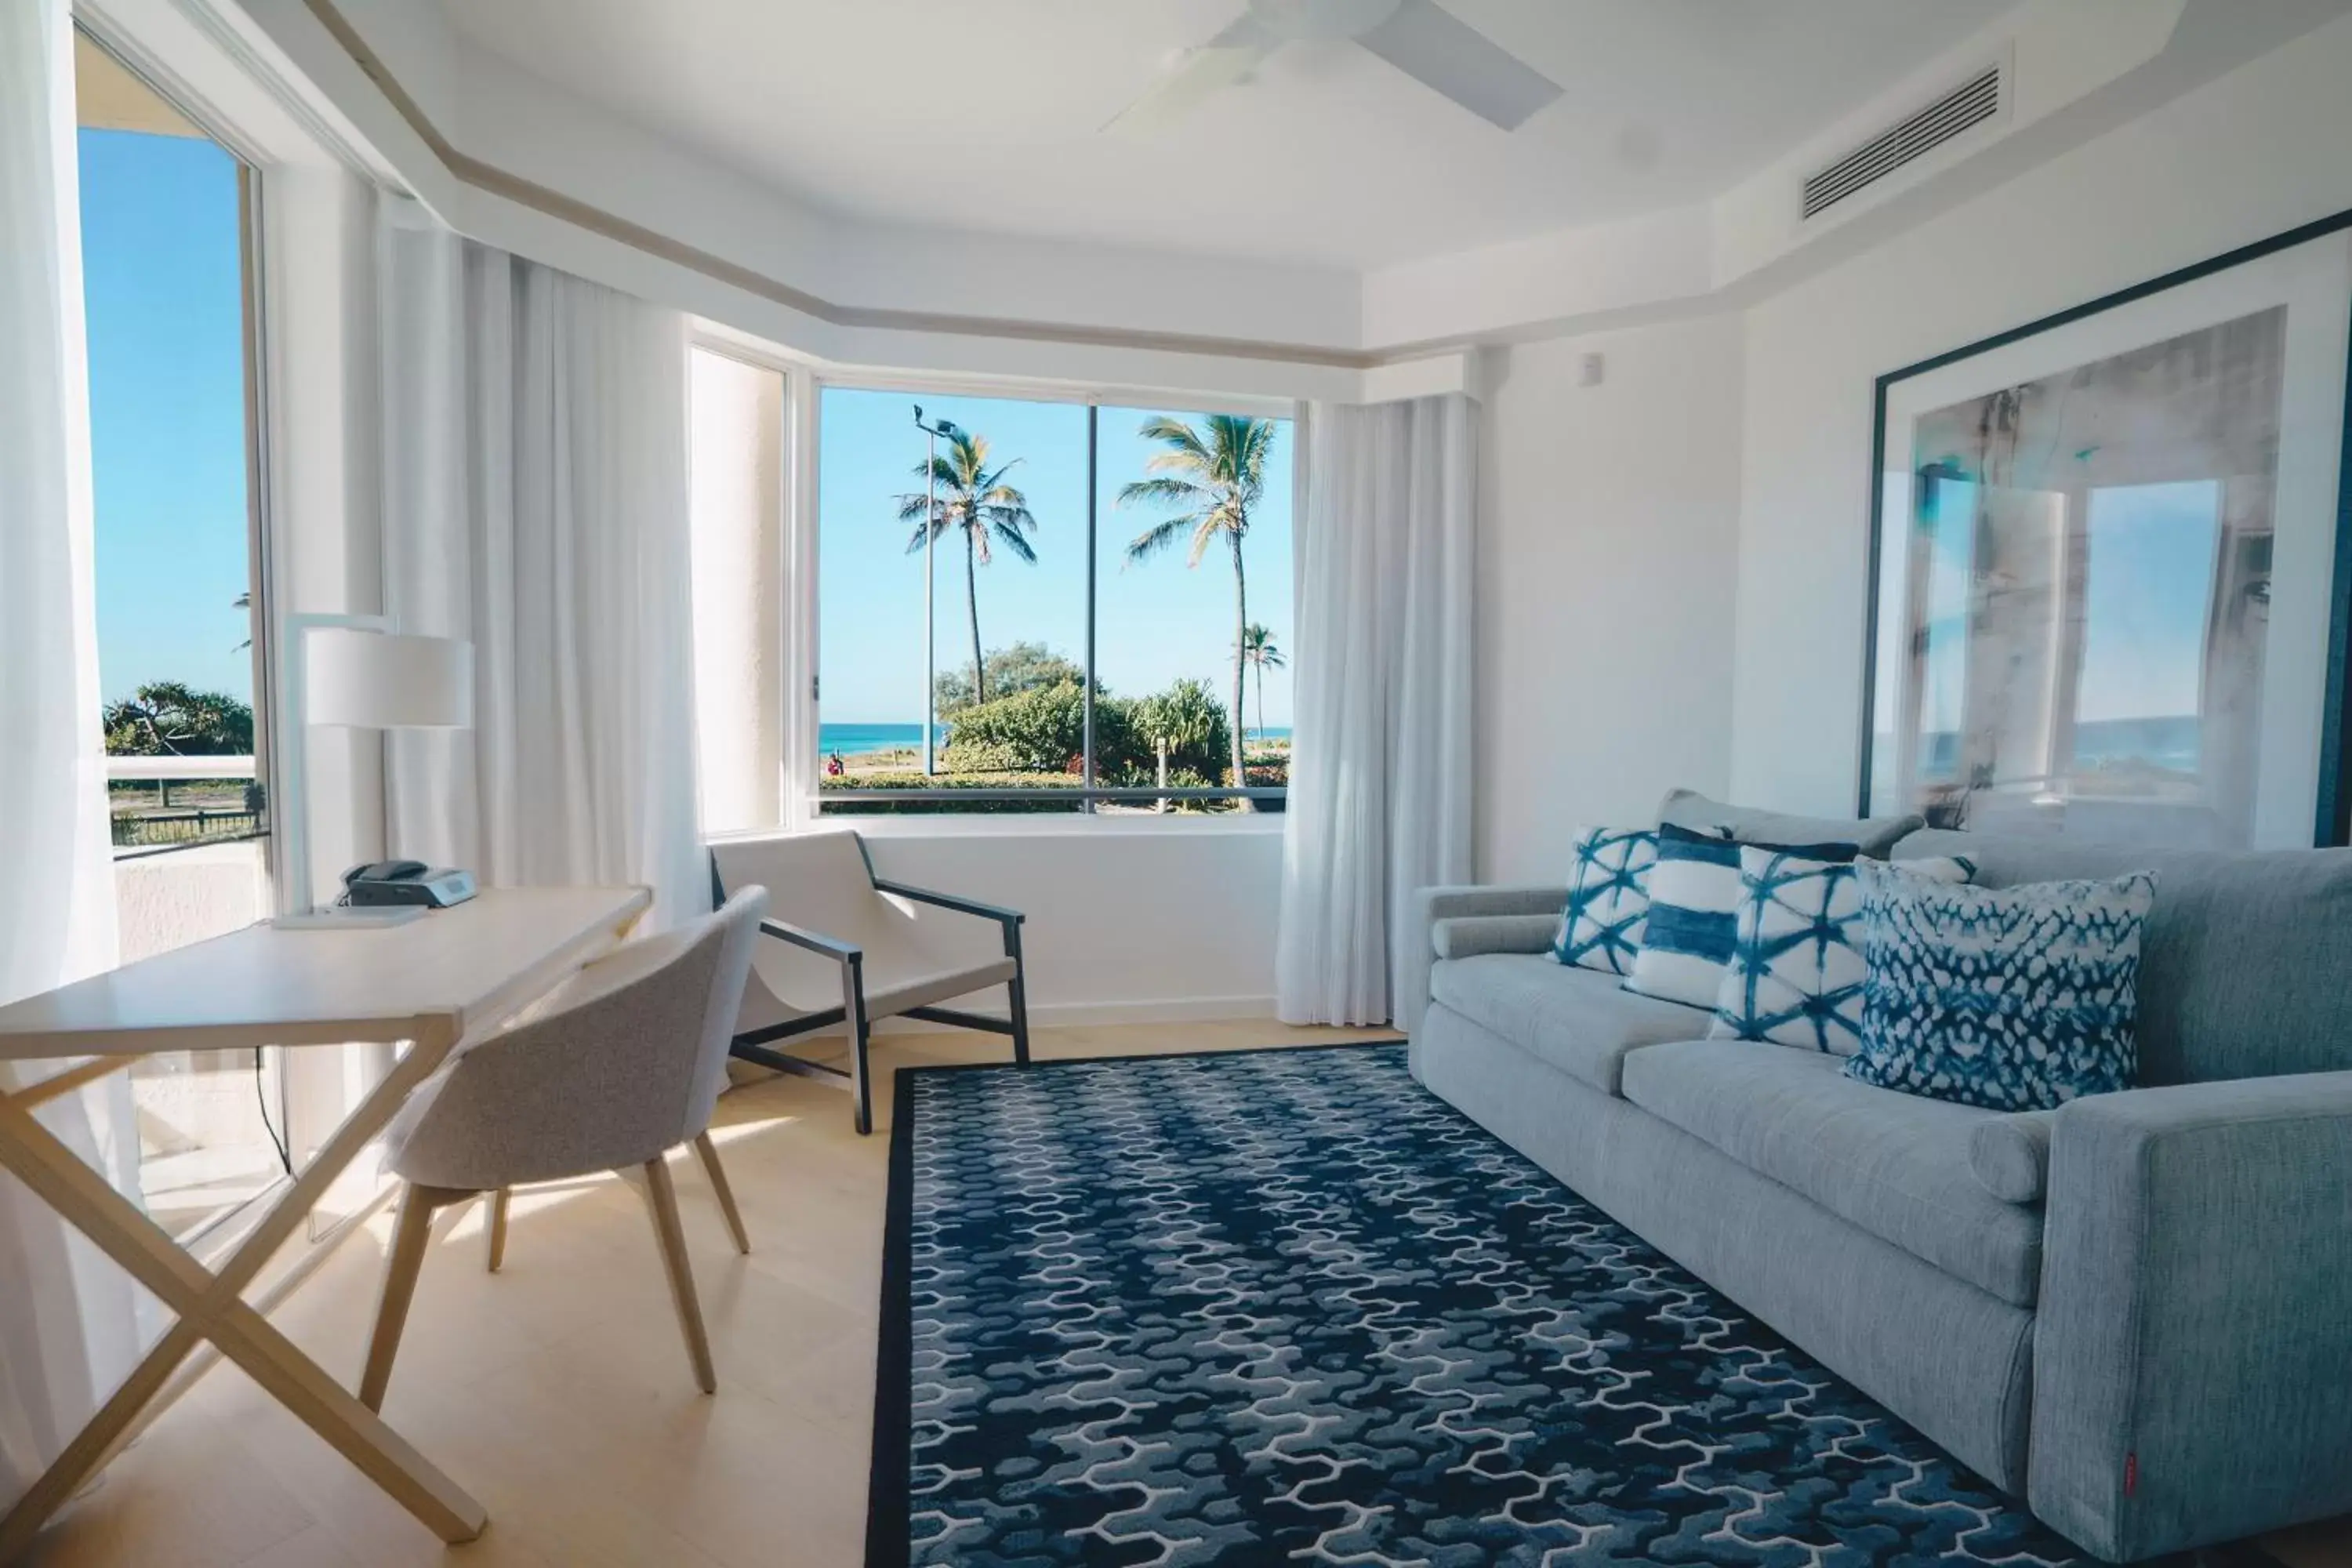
<point x="1693" y="923"/>
<point x="1608" y="895"/>
<point x="2012" y="998"/>
<point x="1796" y="972"/>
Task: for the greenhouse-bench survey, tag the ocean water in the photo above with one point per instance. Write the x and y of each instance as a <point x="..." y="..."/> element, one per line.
<point x="853" y="739"/>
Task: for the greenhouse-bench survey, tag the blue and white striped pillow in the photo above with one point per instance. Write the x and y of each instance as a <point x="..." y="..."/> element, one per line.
<point x="1694" y="917"/>
<point x="1608" y="898"/>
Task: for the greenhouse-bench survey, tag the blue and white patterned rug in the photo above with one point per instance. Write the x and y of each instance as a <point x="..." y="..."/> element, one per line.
<point x="1286" y="1307"/>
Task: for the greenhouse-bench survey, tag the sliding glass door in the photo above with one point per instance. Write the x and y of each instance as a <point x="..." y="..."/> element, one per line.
<point x="166" y="225"/>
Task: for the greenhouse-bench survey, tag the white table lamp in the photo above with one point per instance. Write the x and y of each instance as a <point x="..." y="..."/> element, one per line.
<point x="356" y="672"/>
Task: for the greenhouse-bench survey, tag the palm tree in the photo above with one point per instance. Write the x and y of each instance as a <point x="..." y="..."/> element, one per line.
<point x="972" y="499"/>
<point x="1212" y="476"/>
<point x="1259" y="652"/>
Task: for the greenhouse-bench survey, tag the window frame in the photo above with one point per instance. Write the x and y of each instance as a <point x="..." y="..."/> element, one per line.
<point x="215" y="1232"/>
<point x="1083" y="800"/>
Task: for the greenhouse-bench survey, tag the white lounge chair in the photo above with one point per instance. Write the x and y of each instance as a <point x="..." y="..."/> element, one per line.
<point x="852" y="948"/>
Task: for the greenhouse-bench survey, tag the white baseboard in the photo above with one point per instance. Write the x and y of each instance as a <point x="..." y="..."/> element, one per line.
<point x="1089" y="1014"/>
<point x="1168" y="1010"/>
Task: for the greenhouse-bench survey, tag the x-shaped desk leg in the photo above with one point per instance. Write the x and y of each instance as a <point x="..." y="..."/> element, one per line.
<point x="211" y="1306"/>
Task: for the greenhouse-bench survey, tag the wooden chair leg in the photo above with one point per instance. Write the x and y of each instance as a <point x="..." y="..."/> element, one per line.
<point x="494" y="1227"/>
<point x="412" y="1233"/>
<point x="710" y="1152"/>
<point x="661" y="1198"/>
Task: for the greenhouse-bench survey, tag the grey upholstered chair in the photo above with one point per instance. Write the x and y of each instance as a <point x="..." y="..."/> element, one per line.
<point x="624" y="1063"/>
<point x="852" y="947"/>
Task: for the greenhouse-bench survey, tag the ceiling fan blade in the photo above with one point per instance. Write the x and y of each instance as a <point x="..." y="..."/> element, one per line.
<point x="1432" y="46"/>
<point x="1199" y="76"/>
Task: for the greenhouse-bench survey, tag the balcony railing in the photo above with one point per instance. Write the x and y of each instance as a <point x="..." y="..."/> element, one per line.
<point x="220" y="801"/>
<point x="189" y="863"/>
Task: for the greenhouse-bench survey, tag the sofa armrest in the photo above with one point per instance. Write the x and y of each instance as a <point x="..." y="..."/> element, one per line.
<point x="1415" y="947"/>
<point x="1468" y="936"/>
<point x="2192" y="1365"/>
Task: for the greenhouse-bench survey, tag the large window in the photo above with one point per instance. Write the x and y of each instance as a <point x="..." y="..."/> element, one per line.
<point x="1028" y="605"/>
<point x="165" y="212"/>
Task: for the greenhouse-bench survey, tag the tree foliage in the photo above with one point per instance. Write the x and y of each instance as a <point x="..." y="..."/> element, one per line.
<point x="1043" y="730"/>
<point x="962" y="495"/>
<point x="1012" y="670"/>
<point x="168" y="719"/>
<point x="1209" y="477"/>
<point x="1261" y="654"/>
<point x="1191" y="721"/>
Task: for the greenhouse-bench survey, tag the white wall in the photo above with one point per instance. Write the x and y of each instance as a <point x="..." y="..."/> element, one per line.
<point x="1130" y="919"/>
<point x="1607" y="565"/>
<point x="2254" y="153"/>
<point x="736" y="474"/>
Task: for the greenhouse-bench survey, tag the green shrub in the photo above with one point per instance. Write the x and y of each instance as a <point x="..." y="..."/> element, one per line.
<point x="827" y="786"/>
<point x="1191" y="720"/>
<point x="1037" y="739"/>
<point x="1037" y="731"/>
<point x="1044" y="730"/>
<point x="978" y="757"/>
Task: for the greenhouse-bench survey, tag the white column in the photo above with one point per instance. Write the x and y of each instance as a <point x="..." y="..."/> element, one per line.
<point x="737" y="463"/>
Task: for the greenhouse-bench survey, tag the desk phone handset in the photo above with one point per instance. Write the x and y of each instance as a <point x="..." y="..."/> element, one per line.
<point x="405" y="882"/>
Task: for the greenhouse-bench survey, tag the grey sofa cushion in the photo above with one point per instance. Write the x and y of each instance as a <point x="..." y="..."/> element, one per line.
<point x="2010" y="1156"/>
<point x="1409" y="983"/>
<point x="2244" y="958"/>
<point x="1581" y="1021"/>
<point x="1894" y="1164"/>
<point x="1937" y="1352"/>
<point x="1871" y="836"/>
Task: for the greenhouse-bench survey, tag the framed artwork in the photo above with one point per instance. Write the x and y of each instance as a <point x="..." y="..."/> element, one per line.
<point x="2110" y="565"/>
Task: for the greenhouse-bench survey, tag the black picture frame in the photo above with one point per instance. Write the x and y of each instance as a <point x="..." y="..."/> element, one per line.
<point x="2332" y="824"/>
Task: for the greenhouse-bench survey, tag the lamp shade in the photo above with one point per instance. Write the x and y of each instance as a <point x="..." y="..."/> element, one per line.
<point x="383" y="681"/>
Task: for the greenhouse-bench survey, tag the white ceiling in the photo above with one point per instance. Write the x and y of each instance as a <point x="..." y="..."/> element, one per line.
<point x="986" y="114"/>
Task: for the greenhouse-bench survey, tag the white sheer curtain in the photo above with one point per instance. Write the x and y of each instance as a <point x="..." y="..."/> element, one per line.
<point x="69" y="1318"/>
<point x="535" y="503"/>
<point x="1379" y="787"/>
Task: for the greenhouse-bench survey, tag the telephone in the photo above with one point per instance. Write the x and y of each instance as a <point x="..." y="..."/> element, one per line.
<point x="385" y="882"/>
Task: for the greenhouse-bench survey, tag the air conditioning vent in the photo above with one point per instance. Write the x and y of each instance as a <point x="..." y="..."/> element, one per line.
<point x="1960" y="110"/>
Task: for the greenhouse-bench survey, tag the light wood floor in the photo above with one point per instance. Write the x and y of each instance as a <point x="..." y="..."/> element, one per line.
<point x="558" y="1392"/>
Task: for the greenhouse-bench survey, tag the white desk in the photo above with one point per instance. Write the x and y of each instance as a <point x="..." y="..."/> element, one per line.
<point x="432" y="983"/>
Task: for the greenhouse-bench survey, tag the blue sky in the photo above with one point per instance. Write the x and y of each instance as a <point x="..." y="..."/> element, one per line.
<point x="1155" y="620"/>
<point x="2153" y="552"/>
<point x="2147" y="599"/>
<point x="159" y="263"/>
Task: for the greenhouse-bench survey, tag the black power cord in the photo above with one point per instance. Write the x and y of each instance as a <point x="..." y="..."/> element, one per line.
<point x="261" y="1098"/>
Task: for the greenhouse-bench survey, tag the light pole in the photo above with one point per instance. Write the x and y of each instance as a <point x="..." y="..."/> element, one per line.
<point x="948" y="428"/>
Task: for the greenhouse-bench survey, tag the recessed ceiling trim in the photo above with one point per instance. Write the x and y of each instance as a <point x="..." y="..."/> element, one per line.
<point x="511" y="186"/>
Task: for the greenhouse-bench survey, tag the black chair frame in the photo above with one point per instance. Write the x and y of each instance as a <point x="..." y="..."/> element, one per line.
<point x="754" y="1045"/>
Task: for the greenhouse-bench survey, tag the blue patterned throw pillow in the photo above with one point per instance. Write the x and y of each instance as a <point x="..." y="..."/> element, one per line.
<point x="2012" y="998"/>
<point x="1608" y="896"/>
<point x="1693" y="923"/>
<point x="1796" y="972"/>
